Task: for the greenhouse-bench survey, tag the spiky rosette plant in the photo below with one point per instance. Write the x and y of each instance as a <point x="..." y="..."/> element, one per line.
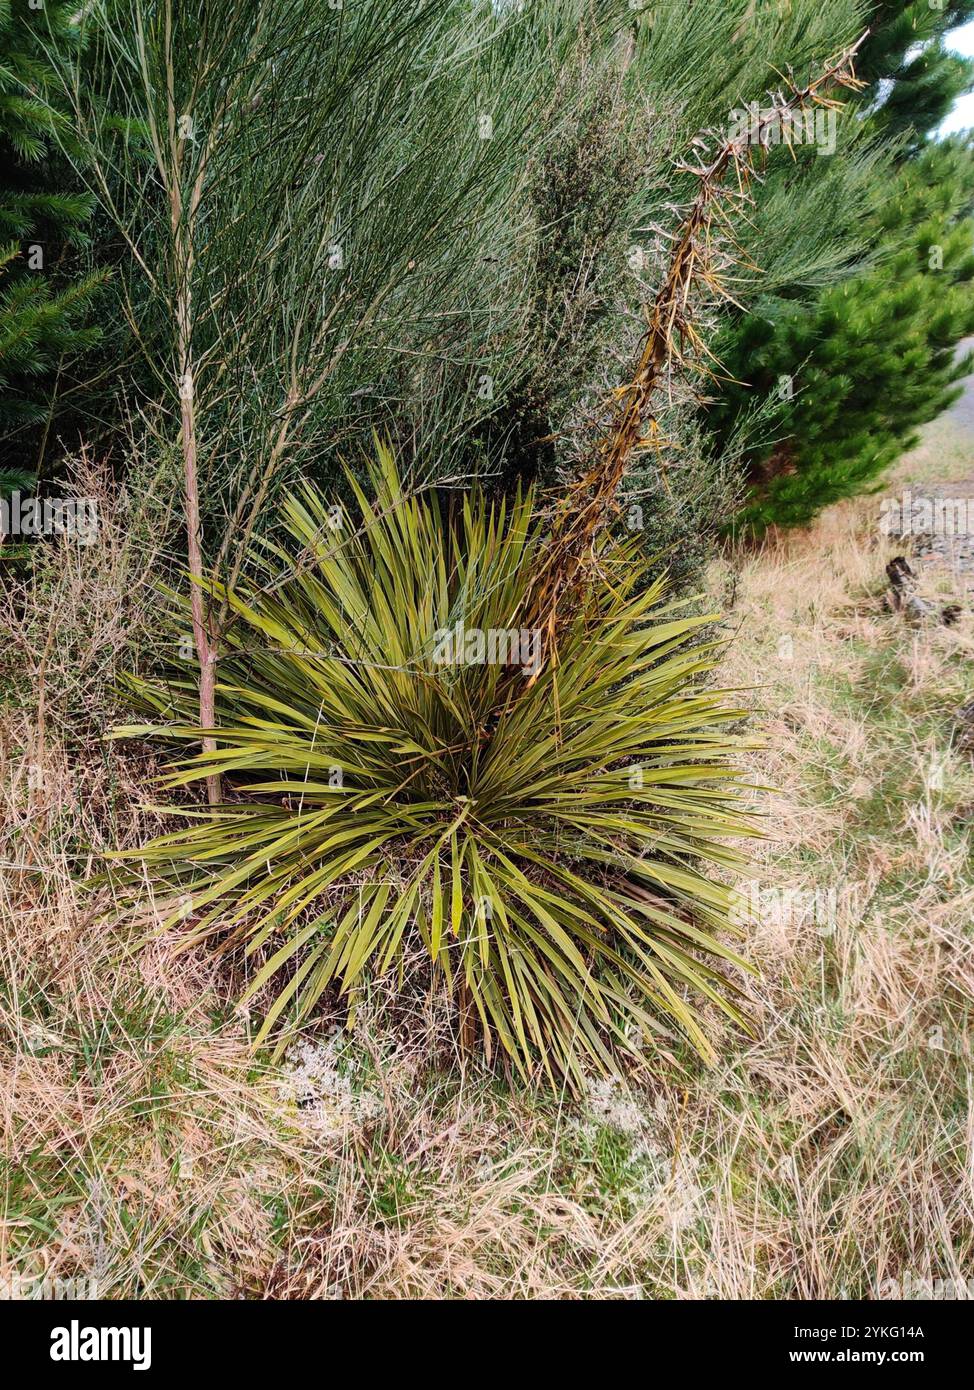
<point x="404" y="774"/>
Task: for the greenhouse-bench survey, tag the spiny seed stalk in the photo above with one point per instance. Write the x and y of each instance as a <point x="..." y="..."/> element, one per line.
<point x="695" y="261"/>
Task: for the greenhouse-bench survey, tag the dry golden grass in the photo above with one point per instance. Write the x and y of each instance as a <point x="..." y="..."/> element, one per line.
<point x="146" y="1149"/>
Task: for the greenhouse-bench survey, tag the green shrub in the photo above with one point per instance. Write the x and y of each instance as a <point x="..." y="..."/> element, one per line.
<point x="845" y="365"/>
<point x="542" y="832"/>
<point x="873" y="358"/>
<point x="46" y="295"/>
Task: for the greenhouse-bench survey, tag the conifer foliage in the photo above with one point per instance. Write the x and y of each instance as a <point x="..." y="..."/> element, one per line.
<point x="45" y="295"/>
<point x="870" y="359"/>
<point x="913" y="77"/>
<point x="847" y="370"/>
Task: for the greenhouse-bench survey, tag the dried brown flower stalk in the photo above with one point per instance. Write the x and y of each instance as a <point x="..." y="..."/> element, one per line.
<point x="697" y="260"/>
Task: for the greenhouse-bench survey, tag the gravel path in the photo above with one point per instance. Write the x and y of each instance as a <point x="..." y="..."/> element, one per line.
<point x="963" y="410"/>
